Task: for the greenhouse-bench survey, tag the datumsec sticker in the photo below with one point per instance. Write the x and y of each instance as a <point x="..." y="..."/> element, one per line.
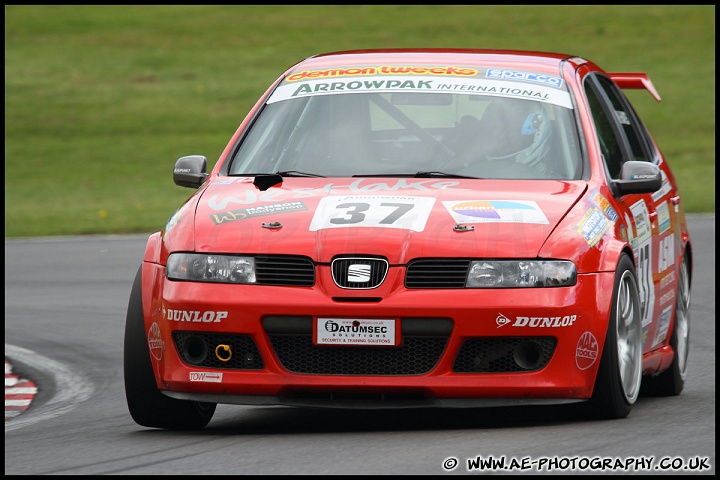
<point x="356" y="331"/>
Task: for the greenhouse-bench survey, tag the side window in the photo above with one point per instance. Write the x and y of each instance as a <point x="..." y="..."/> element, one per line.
<point x="627" y="119"/>
<point x="610" y="146"/>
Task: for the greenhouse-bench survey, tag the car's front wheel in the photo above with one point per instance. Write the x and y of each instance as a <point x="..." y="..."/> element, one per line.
<point x="617" y="384"/>
<point x="147" y="405"/>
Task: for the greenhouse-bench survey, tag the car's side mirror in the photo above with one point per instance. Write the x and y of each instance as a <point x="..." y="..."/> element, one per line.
<point x="190" y="171"/>
<point x="638" y="177"/>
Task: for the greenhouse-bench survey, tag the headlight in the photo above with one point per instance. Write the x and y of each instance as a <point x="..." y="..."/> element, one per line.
<point x="521" y="273"/>
<point x="200" y="267"/>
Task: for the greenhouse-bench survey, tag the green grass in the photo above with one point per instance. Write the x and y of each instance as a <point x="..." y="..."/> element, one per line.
<point x="101" y="100"/>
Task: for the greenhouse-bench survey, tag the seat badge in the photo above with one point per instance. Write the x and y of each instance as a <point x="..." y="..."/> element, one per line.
<point x="358" y="273"/>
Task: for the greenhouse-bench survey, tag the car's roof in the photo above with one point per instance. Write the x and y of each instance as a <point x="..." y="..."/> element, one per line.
<point x="458" y="56"/>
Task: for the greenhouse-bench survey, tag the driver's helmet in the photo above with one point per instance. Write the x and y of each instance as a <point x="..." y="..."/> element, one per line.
<point x="521" y="130"/>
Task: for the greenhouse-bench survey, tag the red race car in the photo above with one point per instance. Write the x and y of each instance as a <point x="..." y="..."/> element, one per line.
<point x="419" y="228"/>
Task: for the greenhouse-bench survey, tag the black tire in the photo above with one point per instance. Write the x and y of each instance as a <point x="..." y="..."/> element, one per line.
<point x="672" y="381"/>
<point x="147" y="405"/>
<point x="617" y="385"/>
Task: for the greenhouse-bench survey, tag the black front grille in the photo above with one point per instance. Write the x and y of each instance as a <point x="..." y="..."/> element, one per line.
<point x="199" y="350"/>
<point x="437" y="273"/>
<point x="423" y="343"/>
<point x="504" y="354"/>
<point x="284" y="270"/>
<point x="359" y="272"/>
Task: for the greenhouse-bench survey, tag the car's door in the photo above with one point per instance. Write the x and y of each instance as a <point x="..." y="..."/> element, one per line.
<point x="651" y="218"/>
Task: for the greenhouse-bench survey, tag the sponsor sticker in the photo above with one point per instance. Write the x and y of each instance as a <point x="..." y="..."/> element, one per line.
<point x="227" y="181"/>
<point x="422" y="83"/>
<point x="599" y="200"/>
<point x="663" y="212"/>
<point x="339" y="72"/>
<point x="155" y="343"/>
<point x="536" y="322"/>
<point x="174" y="220"/>
<point x="257" y="211"/>
<point x="496" y="211"/>
<point x="644" y="259"/>
<point x="196" y="316"/>
<point x="501" y="320"/>
<point x="586" y="351"/>
<point x="663" y="326"/>
<point x="207" y="377"/>
<point x="361" y="186"/>
<point x="545" y="322"/>
<point x="664" y="190"/>
<point x="356" y="331"/>
<point x="592" y="226"/>
<point x="525" y="76"/>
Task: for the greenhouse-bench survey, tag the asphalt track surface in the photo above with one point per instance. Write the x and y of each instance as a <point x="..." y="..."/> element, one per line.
<point x="65" y="302"/>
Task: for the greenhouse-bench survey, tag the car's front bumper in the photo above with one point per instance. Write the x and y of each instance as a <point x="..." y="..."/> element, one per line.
<point x="457" y="347"/>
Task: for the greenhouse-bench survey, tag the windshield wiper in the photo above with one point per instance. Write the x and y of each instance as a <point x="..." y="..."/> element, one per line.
<point x="263" y="181"/>
<point x="297" y="173"/>
<point x="440" y="175"/>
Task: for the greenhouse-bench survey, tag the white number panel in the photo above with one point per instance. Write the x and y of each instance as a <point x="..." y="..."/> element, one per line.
<point x="409" y="213"/>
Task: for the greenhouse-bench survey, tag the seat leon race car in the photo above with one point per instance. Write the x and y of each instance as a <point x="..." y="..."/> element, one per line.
<point x="419" y="228"/>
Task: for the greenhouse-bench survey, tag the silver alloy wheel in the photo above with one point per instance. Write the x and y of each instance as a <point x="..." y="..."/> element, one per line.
<point x="629" y="337"/>
<point x="682" y="319"/>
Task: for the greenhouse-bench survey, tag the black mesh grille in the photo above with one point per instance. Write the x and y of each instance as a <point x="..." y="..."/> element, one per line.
<point x="423" y="343"/>
<point x="198" y="349"/>
<point x="437" y="273"/>
<point x="284" y="270"/>
<point x="504" y="354"/>
<point x="416" y="356"/>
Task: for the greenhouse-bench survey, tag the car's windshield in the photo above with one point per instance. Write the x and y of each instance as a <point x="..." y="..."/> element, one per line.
<point x="412" y="133"/>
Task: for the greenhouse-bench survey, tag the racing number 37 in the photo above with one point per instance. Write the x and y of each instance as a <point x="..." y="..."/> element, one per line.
<point x="410" y="213"/>
<point x="354" y="212"/>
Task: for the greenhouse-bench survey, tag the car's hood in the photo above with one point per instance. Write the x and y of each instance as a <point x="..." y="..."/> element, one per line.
<point x="398" y="218"/>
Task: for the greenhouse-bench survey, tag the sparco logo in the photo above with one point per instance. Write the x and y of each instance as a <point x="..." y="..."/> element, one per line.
<point x="333" y="327"/>
<point x="544" y="322"/>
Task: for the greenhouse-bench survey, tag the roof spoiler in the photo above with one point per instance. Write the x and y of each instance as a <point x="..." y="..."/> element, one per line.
<point x="635" y="81"/>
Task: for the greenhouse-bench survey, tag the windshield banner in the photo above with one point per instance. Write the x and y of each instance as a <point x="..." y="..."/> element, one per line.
<point x="422" y="84"/>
